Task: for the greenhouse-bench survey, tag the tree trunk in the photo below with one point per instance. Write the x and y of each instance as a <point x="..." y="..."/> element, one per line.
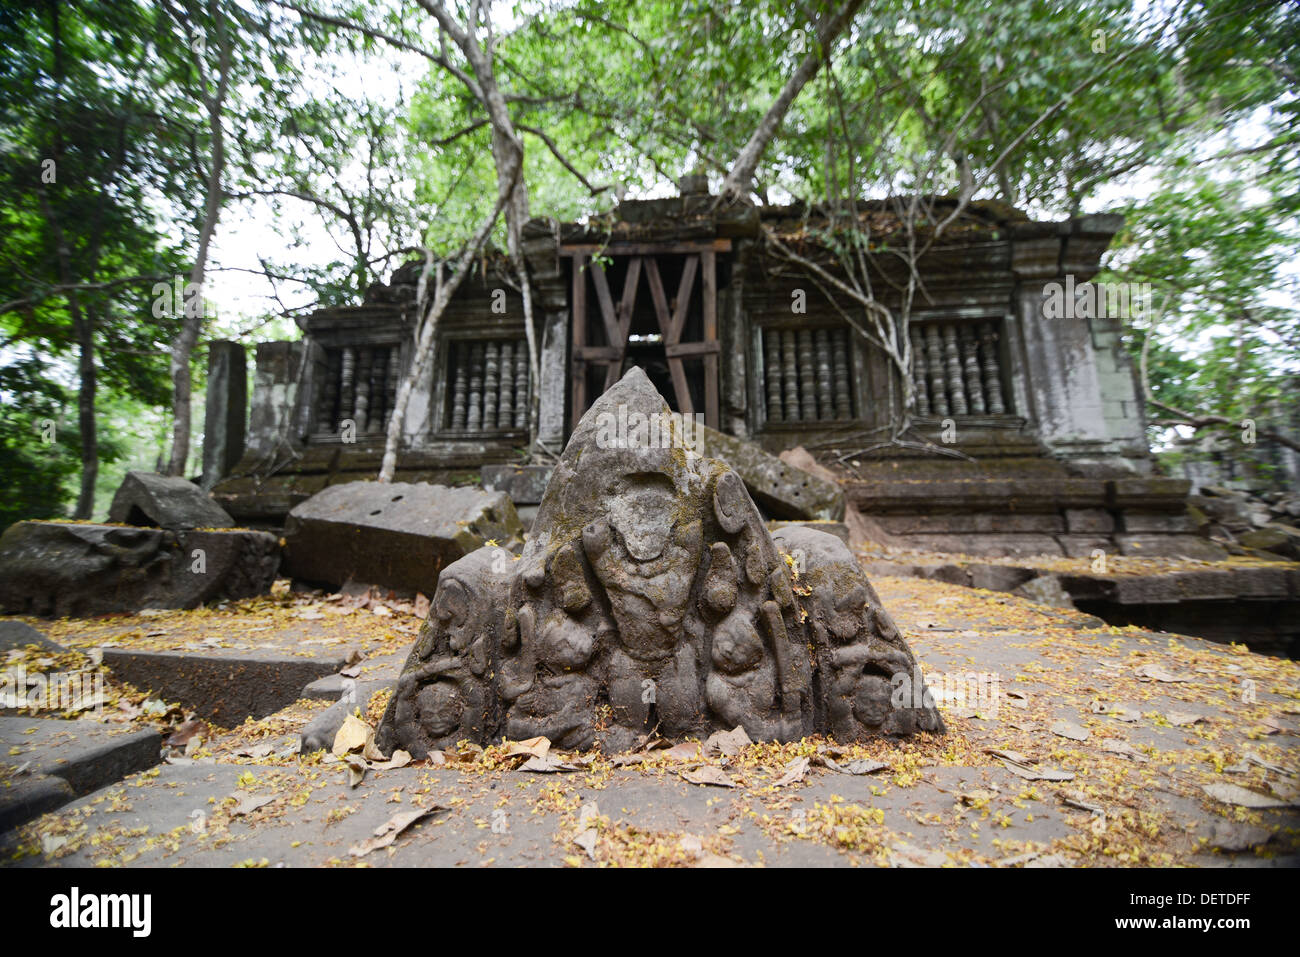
<point x="193" y="313"/>
<point x="741" y="178"/>
<point x="426" y="327"/>
<point x="84" y="327"/>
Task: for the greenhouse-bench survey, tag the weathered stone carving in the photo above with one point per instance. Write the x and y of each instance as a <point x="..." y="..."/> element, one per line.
<point x="73" y="569"/>
<point x="652" y="595"/>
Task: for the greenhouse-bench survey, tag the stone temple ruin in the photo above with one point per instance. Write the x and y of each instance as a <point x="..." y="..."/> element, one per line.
<point x="653" y="596"/>
<point x="1042" y="408"/>
<point x="1027" y="439"/>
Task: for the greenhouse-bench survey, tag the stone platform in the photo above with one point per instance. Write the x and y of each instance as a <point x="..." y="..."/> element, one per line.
<point x="1028" y="507"/>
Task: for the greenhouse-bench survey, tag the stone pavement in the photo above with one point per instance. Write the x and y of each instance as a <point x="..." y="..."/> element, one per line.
<point x="1108" y="741"/>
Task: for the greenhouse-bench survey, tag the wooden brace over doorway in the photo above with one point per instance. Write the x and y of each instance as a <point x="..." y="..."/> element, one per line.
<point x="699" y="263"/>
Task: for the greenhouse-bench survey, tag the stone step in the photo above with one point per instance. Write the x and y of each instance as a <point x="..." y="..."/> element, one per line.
<point x="221" y="688"/>
<point x="61" y="760"/>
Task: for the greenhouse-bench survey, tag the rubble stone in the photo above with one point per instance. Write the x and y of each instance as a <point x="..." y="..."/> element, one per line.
<point x="59" y="569"/>
<point x="399" y="535"/>
<point x="165" y="501"/>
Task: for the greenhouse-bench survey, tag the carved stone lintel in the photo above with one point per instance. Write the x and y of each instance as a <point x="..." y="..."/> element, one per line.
<point x="651" y="595"/>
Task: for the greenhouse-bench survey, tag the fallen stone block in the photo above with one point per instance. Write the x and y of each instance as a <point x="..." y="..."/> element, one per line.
<point x="1275" y="537"/>
<point x="86" y="755"/>
<point x="222" y="689"/>
<point x="782" y="490"/>
<point x="839" y="529"/>
<point x="1045" y="590"/>
<point x="62" y="569"/>
<point x="1170" y="546"/>
<point x="999" y="577"/>
<point x="525" y="484"/>
<point x="397" y="535"/>
<point x="19" y="634"/>
<point x="165" y="501"/>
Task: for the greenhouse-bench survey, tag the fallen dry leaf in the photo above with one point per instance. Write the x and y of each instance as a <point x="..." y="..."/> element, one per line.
<point x="351" y="735"/>
<point x="1241" y="797"/>
<point x="389" y="831"/>
<point x="711" y="776"/>
<point x="532" y="748"/>
<point x="1068" y="729"/>
<point x="727" y="743"/>
<point x="1153" y="672"/>
<point x="248" y="803"/>
<point x="1037" y="774"/>
<point x="795" y="772"/>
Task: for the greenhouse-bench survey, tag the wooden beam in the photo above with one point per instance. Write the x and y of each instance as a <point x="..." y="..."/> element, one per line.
<point x="606" y="302"/>
<point x="684" y="289"/>
<point x="579" y="322"/>
<point x="598" y="353"/>
<point x="710" y="270"/>
<point x="625" y="305"/>
<point x="686" y="350"/>
<point x="656" y="284"/>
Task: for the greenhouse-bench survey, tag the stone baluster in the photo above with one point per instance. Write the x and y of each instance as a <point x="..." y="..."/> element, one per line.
<point x="378" y="365"/>
<point x="474" y="417"/>
<point x="361" y="406"/>
<point x="460" y="385"/>
<point x="347" y="384"/>
<point x="329" y="391"/>
<point x="790" y="376"/>
<point x="390" y="382"/>
<point x="840" y="374"/>
<point x="378" y="388"/>
<point x="952" y="366"/>
<point x="825" y="379"/>
<point x="506" y="404"/>
<point x="992" y="374"/>
<point x="934" y="367"/>
<point x="970" y="346"/>
<point x="807" y="377"/>
<point x="491" y="383"/>
<point x="772" y="374"/>
<point x="919" y="387"/>
<point x="772" y="348"/>
<point x="521" y="384"/>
